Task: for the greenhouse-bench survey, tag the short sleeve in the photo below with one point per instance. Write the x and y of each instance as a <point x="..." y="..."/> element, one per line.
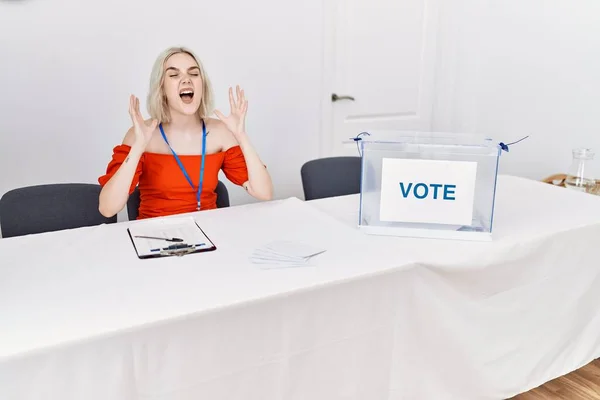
<point x="120" y="153"/>
<point x="234" y="166"/>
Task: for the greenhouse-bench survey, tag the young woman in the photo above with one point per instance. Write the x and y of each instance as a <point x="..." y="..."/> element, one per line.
<point x="175" y="157"/>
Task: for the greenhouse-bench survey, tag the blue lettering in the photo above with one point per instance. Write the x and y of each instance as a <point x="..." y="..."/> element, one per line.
<point x="406" y="192"/>
<point x="421" y="190"/>
<point x="435" y="187"/>
<point x="449" y="190"/>
<point x="425" y="193"/>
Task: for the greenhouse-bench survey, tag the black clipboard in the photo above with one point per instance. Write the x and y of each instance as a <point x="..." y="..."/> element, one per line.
<point x="175" y="249"/>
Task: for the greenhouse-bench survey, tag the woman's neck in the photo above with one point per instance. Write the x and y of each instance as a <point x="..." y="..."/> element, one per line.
<point x="184" y="123"/>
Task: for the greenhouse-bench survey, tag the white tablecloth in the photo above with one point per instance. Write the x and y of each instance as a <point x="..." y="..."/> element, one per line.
<point x="376" y="317"/>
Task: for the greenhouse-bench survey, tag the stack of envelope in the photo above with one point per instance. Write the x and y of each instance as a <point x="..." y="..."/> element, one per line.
<point x="283" y="254"/>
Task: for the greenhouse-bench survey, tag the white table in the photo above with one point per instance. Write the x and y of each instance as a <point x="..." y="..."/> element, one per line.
<point x="376" y="317"/>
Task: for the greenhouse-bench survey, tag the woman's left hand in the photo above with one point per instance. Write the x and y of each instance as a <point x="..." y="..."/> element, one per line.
<point x="236" y="120"/>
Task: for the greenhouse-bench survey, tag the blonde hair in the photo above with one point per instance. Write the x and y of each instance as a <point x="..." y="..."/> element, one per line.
<point x="157" y="100"/>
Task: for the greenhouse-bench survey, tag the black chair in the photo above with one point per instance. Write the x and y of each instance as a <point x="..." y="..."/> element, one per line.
<point x="53" y="207"/>
<point x="222" y="195"/>
<point x="331" y="177"/>
<point x="133" y="203"/>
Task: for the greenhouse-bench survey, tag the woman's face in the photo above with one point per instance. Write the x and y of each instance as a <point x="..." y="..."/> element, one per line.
<point x="182" y="84"/>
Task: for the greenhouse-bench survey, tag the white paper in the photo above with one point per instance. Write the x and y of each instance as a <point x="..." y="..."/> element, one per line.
<point x="284" y="254"/>
<point x="428" y="191"/>
<point x="184" y="228"/>
<point x="293" y="249"/>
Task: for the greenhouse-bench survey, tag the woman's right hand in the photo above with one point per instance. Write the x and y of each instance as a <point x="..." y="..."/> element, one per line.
<point x="143" y="130"/>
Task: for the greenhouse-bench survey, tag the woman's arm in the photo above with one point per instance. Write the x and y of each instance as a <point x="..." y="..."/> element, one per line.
<point x="259" y="183"/>
<point x="115" y="192"/>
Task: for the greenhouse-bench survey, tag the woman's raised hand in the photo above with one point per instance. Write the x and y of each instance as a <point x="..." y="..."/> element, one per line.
<point x="143" y="130"/>
<point x="236" y="120"/>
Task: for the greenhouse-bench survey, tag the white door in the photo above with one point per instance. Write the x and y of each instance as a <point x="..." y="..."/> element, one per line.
<point x="380" y="60"/>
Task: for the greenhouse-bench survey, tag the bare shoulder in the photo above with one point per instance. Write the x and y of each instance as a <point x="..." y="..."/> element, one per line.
<point x="216" y="128"/>
<point x="129" y="138"/>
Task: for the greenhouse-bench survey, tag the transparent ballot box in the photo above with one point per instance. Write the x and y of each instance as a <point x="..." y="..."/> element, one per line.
<point x="428" y="185"/>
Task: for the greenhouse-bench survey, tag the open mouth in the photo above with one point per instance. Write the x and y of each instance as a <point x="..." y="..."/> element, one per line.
<point x="187" y="95"/>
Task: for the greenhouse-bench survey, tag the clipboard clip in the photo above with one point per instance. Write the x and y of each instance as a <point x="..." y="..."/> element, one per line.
<point x="178" y="250"/>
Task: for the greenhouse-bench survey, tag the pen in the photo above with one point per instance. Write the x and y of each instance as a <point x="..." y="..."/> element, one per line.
<point x="179" y="246"/>
<point x="160" y="238"/>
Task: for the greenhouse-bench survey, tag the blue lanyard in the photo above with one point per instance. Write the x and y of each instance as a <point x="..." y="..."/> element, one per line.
<point x="181" y="165"/>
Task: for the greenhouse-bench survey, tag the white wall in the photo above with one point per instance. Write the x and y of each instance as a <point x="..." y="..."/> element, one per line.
<point x="505" y="68"/>
<point x="522" y="67"/>
<point x="67" y="68"/>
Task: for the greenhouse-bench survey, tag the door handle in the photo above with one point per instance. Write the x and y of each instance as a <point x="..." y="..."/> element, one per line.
<point x="335" y="97"/>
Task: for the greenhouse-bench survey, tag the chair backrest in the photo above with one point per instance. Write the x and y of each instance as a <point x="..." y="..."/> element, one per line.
<point x="53" y="207"/>
<point x="331" y="177"/>
<point x="133" y="203"/>
<point x="222" y="195"/>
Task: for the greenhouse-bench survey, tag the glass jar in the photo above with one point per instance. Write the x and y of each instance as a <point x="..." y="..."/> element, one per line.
<point x="579" y="176"/>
